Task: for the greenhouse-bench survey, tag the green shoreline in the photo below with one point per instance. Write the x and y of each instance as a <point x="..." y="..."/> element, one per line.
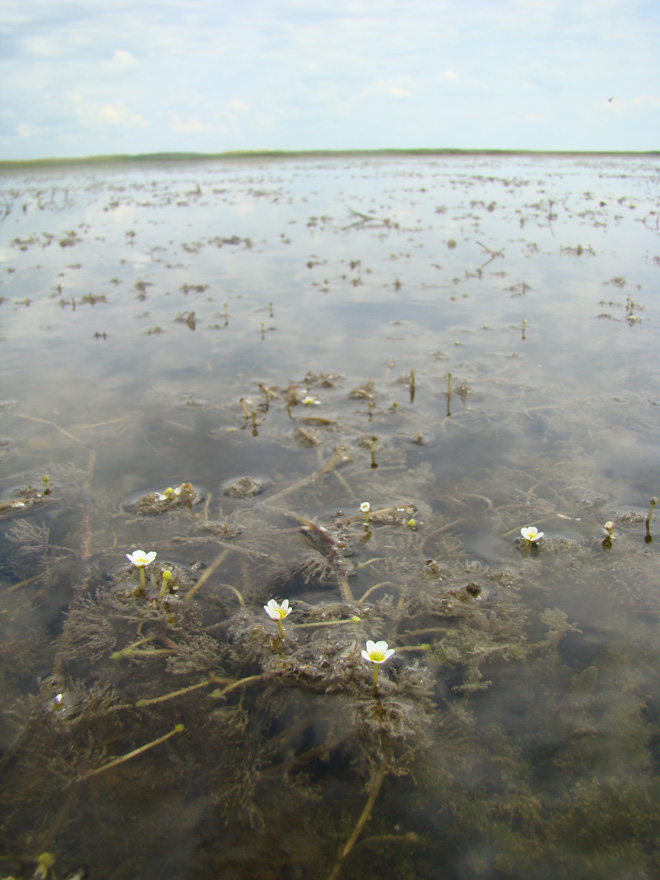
<point x="10" y="164"/>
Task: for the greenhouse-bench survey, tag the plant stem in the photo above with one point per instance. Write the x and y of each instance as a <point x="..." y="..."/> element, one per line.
<point x="344" y="586"/>
<point x="235" y="684"/>
<point x="206" y="574"/>
<point x="177" y="729"/>
<point x="172" y="694"/>
<point x="376" y="783"/>
<point x="326" y="623"/>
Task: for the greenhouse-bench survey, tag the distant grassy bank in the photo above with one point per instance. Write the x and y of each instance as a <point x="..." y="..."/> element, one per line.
<point x="119" y="159"/>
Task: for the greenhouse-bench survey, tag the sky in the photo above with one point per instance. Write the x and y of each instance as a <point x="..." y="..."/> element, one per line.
<point x="97" y="77"/>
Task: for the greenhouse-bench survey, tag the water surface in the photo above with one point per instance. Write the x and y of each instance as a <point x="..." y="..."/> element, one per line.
<point x="469" y="344"/>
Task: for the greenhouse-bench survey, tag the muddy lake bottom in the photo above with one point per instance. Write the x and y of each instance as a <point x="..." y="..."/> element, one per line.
<point x="347" y="383"/>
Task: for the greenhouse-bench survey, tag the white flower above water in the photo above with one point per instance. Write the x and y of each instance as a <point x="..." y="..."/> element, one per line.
<point x="365" y="507"/>
<point x="276" y="611"/>
<point x="531" y="534"/>
<point x="311" y="401"/>
<point x="139" y="558"/>
<point x="377" y="652"/>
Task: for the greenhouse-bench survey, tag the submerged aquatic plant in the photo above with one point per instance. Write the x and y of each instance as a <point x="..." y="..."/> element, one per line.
<point x="167" y="574"/>
<point x="648" y="538"/>
<point x="365" y="507"/>
<point x="531" y="534"/>
<point x="608" y="528"/>
<point x="278" y="612"/>
<point x="377" y="653"/>
<point x="140" y="560"/>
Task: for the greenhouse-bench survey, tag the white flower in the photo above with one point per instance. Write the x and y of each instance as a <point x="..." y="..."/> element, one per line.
<point x="140" y="558"/>
<point x="531" y="534"/>
<point x="365" y="507"/>
<point x="377" y="652"/>
<point x="311" y="401"/>
<point x="276" y="611"/>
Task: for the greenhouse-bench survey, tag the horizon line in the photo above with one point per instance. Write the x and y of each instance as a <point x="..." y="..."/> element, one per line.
<point x="182" y="156"/>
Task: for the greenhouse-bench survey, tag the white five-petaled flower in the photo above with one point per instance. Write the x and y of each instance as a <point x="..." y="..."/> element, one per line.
<point x="365" y="507"/>
<point x="531" y="534"/>
<point x="276" y="611"/>
<point x="377" y="652"/>
<point x="139" y="558"/>
<point x="311" y="401"/>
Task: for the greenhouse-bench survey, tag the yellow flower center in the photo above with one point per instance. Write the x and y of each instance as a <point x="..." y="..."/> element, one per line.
<point x="376" y="656"/>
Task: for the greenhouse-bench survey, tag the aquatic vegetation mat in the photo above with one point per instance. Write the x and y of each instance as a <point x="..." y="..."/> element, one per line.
<point x="328" y="528"/>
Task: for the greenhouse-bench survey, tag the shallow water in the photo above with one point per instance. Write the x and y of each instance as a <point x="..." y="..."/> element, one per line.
<point x="481" y="335"/>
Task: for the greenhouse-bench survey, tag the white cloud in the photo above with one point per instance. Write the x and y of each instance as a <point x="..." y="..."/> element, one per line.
<point x="44" y="47"/>
<point x="647" y="101"/>
<point x="118" y="114"/>
<point x="212" y="120"/>
<point x="25" y="130"/>
<point x="189" y="126"/>
<point x="393" y="88"/>
<point x="109" y="114"/>
<point x="239" y="106"/>
<point x="398" y="92"/>
<point x="123" y="61"/>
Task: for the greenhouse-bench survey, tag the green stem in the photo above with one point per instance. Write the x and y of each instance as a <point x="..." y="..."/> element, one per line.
<point x="143" y="585"/>
<point x="192" y="687"/>
<point x="345" y="587"/>
<point x="163" y="589"/>
<point x="375" y="665"/>
<point x="235" y="684"/>
<point x="375" y="784"/>
<point x="177" y="729"/>
<point x="281" y="629"/>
